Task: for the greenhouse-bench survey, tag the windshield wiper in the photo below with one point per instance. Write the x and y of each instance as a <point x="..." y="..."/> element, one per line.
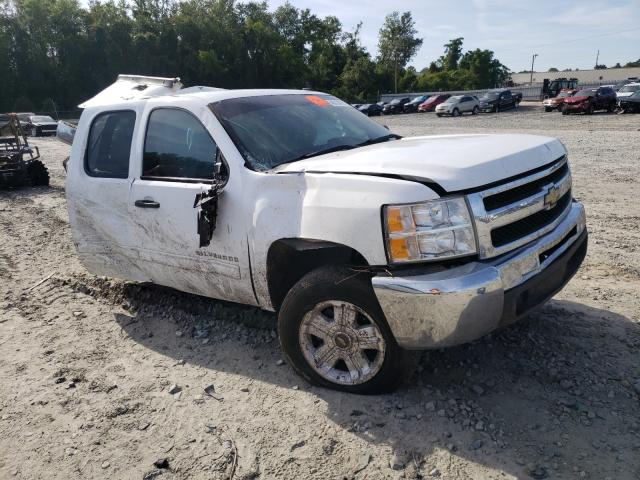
<point x="335" y="148"/>
<point x="338" y="148"/>
<point x="384" y="138"/>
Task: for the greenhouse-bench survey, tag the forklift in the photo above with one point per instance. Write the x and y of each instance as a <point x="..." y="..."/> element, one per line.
<point x="551" y="88"/>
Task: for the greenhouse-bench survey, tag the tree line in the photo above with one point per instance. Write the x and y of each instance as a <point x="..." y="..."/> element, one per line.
<point x="58" y="53"/>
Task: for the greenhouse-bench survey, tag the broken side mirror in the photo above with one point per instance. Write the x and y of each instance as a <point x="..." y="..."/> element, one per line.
<point x="207" y="201"/>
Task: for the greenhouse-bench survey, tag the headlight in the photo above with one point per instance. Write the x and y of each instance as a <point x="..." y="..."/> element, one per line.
<point x="432" y="230"/>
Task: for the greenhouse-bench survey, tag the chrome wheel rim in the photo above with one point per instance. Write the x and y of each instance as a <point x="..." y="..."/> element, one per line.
<point x="341" y="343"/>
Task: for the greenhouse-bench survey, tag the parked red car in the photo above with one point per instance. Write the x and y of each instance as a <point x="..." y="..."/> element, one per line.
<point x="589" y="100"/>
<point x="432" y="102"/>
<point x="557" y="102"/>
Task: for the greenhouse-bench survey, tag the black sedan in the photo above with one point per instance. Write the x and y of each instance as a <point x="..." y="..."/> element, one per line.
<point x="395" y="106"/>
<point x="630" y="104"/>
<point x="371" y="109"/>
<point x="412" y="106"/>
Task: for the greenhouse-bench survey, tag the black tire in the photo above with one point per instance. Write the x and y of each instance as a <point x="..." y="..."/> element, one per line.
<point x="611" y="108"/>
<point x="456" y="112"/>
<point x="38" y="174"/>
<point x="565" y="111"/>
<point x="496" y="109"/>
<point x="547" y="109"/>
<point x="475" y="110"/>
<point x="589" y="110"/>
<point x="335" y="283"/>
<point x="438" y="114"/>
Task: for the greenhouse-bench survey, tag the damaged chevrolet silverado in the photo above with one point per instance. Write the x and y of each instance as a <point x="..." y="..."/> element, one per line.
<point x="366" y="244"/>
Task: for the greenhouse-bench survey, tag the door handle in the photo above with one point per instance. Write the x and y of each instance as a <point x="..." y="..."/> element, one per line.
<point x="146" y="203"/>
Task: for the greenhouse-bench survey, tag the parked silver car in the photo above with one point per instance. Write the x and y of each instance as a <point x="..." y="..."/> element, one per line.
<point x="459" y="104"/>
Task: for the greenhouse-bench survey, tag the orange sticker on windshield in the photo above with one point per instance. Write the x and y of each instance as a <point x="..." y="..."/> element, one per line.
<point x="321" y="102"/>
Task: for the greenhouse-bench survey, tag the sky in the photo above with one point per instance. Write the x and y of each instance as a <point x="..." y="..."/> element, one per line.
<point x="564" y="34"/>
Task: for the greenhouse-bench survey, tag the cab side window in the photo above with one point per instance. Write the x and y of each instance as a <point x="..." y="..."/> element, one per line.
<point x="109" y="144"/>
<point x="177" y="147"/>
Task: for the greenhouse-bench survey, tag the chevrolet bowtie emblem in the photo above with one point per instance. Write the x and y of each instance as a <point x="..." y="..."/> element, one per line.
<point x="552" y="197"/>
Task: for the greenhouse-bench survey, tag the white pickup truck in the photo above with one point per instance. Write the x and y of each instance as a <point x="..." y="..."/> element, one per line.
<point x="366" y="244"/>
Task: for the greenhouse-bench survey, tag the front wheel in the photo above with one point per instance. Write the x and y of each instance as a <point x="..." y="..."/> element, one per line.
<point x="456" y="112"/>
<point x="475" y="110"/>
<point x="334" y="333"/>
<point x="438" y="114"/>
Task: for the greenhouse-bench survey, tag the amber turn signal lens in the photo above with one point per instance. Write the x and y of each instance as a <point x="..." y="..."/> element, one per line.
<point x="394" y="220"/>
<point x="399" y="248"/>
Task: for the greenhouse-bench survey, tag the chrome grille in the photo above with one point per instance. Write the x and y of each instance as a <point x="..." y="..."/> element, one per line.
<point x="498" y="200"/>
<point x="515" y="213"/>
<point x="521" y="228"/>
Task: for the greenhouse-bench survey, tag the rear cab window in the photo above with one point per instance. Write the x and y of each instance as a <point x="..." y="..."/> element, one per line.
<point x="109" y="144"/>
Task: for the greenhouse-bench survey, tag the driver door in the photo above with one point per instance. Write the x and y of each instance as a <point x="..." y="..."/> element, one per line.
<point x="176" y="162"/>
<point x="505" y="100"/>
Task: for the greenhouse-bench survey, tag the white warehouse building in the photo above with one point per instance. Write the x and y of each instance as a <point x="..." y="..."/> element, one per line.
<point x="605" y="76"/>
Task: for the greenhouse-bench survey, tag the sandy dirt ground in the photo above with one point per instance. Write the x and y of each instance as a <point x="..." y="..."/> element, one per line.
<point x="105" y="379"/>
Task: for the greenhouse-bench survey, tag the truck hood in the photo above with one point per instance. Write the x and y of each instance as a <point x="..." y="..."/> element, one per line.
<point x="454" y="162"/>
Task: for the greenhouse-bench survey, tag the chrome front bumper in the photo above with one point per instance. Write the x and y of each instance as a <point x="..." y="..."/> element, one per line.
<point x="461" y="304"/>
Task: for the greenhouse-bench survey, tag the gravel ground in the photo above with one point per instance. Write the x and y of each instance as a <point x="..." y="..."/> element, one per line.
<point x="106" y="379"/>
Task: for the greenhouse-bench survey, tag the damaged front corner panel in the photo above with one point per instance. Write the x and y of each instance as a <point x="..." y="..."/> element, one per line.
<point x="207" y="202"/>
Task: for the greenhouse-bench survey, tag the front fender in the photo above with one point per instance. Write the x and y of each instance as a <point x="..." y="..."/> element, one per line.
<point x="345" y="209"/>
